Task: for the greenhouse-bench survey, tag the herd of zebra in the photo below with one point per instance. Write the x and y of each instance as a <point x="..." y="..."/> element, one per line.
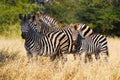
<point x="44" y="37"/>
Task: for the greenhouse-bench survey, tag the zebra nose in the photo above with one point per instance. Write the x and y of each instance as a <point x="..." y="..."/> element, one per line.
<point x="74" y="46"/>
<point x="23" y="35"/>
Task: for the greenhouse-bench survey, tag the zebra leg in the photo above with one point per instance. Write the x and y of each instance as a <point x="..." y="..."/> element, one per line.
<point x="36" y="57"/>
<point x="85" y="58"/>
<point x="64" y="58"/>
<point x="75" y="55"/>
<point x="29" y="55"/>
<point x="52" y="58"/>
<point x="105" y="57"/>
<point x="33" y="56"/>
<point x="58" y="54"/>
<point x="90" y="58"/>
<point x="97" y="56"/>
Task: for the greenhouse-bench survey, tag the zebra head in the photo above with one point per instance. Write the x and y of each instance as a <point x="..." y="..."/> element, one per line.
<point x="43" y="21"/>
<point x="25" y="24"/>
<point x="35" y="19"/>
<point x="76" y="36"/>
<point x="83" y="30"/>
<point x="75" y="32"/>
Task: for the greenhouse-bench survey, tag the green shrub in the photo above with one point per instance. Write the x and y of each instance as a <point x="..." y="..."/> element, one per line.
<point x="103" y="16"/>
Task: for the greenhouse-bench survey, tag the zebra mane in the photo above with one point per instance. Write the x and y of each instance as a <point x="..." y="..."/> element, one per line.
<point x="52" y="22"/>
<point x="84" y="30"/>
<point x="33" y="27"/>
<point x="50" y="19"/>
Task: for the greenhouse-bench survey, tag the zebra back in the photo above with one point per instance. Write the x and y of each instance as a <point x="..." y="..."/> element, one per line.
<point x="94" y="43"/>
<point x="40" y="44"/>
<point x="51" y="22"/>
<point x="83" y="29"/>
<point x="100" y="41"/>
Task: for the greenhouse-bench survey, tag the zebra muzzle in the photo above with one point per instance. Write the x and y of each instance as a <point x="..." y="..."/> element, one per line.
<point x="24" y="34"/>
<point x="74" y="46"/>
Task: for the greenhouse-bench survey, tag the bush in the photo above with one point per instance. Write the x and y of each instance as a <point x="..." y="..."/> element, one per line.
<point x="103" y="16"/>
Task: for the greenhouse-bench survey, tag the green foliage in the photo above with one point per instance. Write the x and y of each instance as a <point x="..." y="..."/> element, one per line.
<point x="9" y="10"/>
<point x="101" y="15"/>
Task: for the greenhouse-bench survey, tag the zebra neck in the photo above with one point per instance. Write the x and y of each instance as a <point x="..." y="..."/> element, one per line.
<point x="32" y="41"/>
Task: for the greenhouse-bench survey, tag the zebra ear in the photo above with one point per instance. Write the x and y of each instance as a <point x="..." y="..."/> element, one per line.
<point x="75" y="26"/>
<point x="20" y="16"/>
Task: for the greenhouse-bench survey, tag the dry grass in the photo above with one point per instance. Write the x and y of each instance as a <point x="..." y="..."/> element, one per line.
<point x="14" y="66"/>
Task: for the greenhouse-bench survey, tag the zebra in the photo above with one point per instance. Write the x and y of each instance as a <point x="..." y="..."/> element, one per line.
<point x="51" y="22"/>
<point x="85" y="31"/>
<point x="36" y="43"/>
<point x="46" y="24"/>
<point x="92" y="44"/>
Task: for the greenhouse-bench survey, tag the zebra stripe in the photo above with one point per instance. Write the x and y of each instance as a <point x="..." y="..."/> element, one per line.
<point x="37" y="43"/>
<point x="84" y="30"/>
<point x="46" y="27"/>
<point x="51" y="22"/>
<point x="94" y="44"/>
<point x="49" y="19"/>
<point x="66" y="30"/>
<point x="48" y="23"/>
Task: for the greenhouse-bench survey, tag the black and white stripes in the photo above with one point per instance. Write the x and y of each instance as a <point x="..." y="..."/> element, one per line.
<point x="85" y="31"/>
<point x="36" y="43"/>
<point x="93" y="44"/>
<point x="49" y="22"/>
<point x="43" y="36"/>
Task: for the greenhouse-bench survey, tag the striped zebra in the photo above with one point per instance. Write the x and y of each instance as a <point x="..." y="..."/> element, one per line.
<point x="36" y="43"/>
<point x="85" y="30"/>
<point x="50" y="21"/>
<point x="93" y="44"/>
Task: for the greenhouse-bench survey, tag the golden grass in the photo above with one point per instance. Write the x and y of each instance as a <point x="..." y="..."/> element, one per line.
<point x="14" y="66"/>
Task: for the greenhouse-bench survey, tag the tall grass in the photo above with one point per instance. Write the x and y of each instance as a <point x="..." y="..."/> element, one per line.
<point x="14" y="66"/>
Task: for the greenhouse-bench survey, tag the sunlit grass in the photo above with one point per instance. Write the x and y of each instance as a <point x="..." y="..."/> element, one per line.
<point x="14" y="66"/>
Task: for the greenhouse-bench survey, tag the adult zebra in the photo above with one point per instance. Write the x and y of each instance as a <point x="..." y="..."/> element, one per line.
<point x="49" y="21"/>
<point x="36" y="43"/>
<point x="93" y="44"/>
<point x="44" y="22"/>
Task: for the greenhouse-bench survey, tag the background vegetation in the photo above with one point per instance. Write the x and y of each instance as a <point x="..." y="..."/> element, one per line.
<point x="101" y="15"/>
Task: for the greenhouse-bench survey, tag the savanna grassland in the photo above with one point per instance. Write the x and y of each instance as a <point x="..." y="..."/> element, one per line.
<point x="103" y="16"/>
<point x="14" y="66"/>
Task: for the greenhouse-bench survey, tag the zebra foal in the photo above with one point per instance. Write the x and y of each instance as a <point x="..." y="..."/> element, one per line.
<point x="93" y="44"/>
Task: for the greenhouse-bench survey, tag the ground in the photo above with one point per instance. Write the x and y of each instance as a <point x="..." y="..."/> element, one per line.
<point x="14" y="66"/>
